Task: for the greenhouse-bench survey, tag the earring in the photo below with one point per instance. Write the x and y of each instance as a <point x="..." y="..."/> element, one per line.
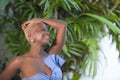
<point x="32" y="40"/>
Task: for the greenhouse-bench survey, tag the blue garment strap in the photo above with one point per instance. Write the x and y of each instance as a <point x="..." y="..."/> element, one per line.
<point x="57" y="61"/>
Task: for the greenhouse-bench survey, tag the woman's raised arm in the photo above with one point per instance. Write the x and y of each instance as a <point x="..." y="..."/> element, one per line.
<point x="59" y="25"/>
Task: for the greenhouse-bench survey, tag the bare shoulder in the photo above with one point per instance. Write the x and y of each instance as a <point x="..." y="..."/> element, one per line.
<point x="11" y="68"/>
<point x="17" y="60"/>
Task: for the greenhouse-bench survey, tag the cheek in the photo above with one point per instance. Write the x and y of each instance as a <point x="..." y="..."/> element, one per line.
<point x="38" y="36"/>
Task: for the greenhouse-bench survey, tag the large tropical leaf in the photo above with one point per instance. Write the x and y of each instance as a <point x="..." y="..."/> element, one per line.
<point x="110" y="24"/>
<point x="3" y="3"/>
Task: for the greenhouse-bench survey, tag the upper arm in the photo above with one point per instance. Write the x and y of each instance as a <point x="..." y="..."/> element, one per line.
<point x="59" y="39"/>
<point x="10" y="69"/>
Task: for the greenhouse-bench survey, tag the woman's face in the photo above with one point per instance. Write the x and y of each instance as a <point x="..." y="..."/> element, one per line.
<point x="41" y="34"/>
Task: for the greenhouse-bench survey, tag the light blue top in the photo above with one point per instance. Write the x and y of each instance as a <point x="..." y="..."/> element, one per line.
<point x="54" y="62"/>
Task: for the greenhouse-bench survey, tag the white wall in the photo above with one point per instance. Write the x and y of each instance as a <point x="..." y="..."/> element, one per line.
<point x="112" y="69"/>
<point x="109" y="69"/>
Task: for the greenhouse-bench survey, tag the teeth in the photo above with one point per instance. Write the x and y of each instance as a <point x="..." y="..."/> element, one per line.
<point x="47" y="37"/>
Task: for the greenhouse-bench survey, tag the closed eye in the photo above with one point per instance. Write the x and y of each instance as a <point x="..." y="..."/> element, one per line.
<point x="43" y="29"/>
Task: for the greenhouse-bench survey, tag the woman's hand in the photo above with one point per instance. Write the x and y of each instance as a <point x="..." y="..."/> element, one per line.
<point x="34" y="20"/>
<point x="31" y="21"/>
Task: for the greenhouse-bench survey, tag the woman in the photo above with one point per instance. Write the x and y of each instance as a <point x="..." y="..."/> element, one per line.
<point x="38" y="64"/>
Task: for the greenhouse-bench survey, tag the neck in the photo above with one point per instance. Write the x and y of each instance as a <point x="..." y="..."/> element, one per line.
<point x="36" y="51"/>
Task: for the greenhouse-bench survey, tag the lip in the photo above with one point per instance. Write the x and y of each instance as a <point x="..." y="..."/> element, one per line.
<point x="47" y="37"/>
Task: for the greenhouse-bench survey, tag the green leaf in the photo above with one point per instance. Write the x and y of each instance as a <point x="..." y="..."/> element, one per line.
<point x="90" y="68"/>
<point x="110" y="24"/>
<point x="74" y="4"/>
<point x="3" y="3"/>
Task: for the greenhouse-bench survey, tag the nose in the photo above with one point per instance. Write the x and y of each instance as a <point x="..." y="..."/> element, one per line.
<point x="47" y="33"/>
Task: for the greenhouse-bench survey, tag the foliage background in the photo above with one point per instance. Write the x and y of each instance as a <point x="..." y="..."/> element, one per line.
<point x="88" y="22"/>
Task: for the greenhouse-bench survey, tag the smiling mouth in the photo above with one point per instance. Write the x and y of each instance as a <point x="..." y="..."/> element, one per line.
<point x="47" y="38"/>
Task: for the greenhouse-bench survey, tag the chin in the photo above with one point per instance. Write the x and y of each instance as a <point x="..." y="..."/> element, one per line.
<point x="45" y="43"/>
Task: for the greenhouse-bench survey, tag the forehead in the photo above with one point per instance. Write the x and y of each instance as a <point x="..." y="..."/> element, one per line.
<point x="40" y="26"/>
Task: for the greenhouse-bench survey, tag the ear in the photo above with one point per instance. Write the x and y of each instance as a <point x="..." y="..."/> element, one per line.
<point x="24" y="25"/>
<point x="29" y="35"/>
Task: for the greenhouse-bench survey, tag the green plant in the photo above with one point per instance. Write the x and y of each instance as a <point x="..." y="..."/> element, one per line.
<point x="87" y="22"/>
